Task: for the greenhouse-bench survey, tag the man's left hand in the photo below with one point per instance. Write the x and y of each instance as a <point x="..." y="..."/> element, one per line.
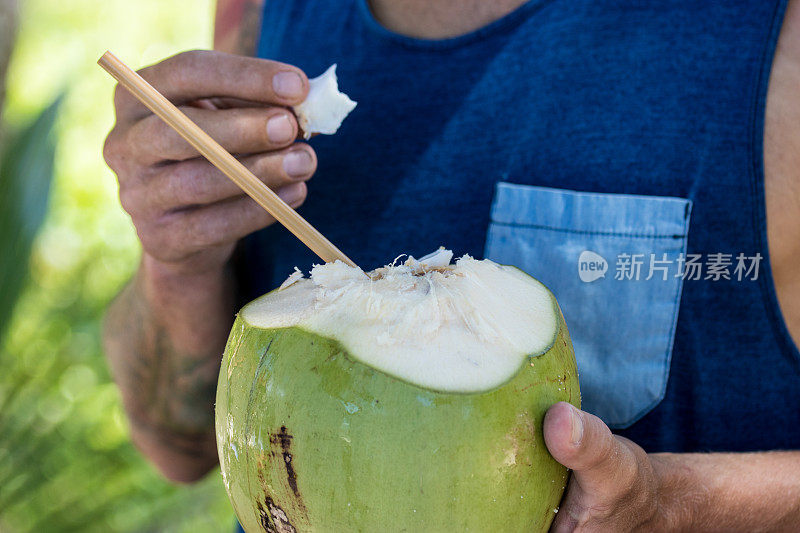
<point x="615" y="485"/>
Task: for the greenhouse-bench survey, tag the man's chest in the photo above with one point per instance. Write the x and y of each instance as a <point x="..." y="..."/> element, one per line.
<point x="614" y="101"/>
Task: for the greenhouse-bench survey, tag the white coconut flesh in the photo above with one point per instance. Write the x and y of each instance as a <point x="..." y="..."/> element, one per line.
<point x="465" y="327"/>
<point x="325" y="107"/>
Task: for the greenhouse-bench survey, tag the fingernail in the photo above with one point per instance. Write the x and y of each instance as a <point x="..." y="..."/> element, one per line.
<point x="291" y="194"/>
<point x="577" y="427"/>
<point x="298" y="163"/>
<point x="287" y="84"/>
<point x="279" y="129"/>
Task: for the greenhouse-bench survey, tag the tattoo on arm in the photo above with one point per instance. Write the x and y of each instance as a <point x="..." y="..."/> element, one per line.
<point x="163" y="389"/>
<point x="237" y="26"/>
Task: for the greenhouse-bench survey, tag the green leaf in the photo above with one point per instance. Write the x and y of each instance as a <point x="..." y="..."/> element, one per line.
<point x="26" y="172"/>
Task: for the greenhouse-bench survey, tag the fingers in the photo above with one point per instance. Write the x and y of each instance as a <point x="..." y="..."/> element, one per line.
<point x="582" y="442"/>
<point x="239" y="131"/>
<point x="178" y="236"/>
<point x="185" y="211"/>
<point x="224" y="103"/>
<point x="570" y="512"/>
<point x="205" y="74"/>
<point x="197" y="182"/>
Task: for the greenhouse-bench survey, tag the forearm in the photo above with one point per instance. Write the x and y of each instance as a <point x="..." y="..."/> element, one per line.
<point x="164" y="337"/>
<point x="730" y="491"/>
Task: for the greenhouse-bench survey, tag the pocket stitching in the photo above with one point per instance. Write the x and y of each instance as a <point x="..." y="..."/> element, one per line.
<point x="588" y="232"/>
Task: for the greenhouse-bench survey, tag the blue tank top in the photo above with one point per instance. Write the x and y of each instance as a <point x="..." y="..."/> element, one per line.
<point x="611" y="149"/>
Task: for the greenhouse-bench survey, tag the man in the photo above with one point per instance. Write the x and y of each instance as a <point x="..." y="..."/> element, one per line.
<point x="631" y="117"/>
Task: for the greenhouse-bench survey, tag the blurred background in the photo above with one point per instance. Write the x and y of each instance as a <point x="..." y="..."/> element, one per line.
<point x="66" y="248"/>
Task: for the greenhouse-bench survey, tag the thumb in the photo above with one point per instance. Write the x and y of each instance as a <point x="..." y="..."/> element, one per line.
<point x="582" y="442"/>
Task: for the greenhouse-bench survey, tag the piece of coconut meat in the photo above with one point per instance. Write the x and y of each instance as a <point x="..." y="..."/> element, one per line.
<point x="463" y="327"/>
<point x="325" y="107"/>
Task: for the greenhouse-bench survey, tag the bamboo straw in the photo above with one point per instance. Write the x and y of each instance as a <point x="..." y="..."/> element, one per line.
<point x="221" y="159"/>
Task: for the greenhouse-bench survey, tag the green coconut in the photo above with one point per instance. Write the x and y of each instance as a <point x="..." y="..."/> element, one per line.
<point x="407" y="399"/>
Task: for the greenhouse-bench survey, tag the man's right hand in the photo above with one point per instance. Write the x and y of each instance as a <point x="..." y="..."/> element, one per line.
<point x="188" y="215"/>
<point x="165" y="332"/>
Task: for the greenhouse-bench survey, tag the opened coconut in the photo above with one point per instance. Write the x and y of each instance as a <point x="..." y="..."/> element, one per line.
<point x="410" y="398"/>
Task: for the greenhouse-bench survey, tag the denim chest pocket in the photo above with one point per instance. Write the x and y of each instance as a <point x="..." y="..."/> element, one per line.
<point x="614" y="263"/>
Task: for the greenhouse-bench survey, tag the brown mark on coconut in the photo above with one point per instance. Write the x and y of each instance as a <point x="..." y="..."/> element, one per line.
<point x="266" y="521"/>
<point x="274" y="519"/>
<point x="284" y="440"/>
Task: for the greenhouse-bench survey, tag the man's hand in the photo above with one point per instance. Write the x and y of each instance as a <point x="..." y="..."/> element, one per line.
<point x="165" y="332"/>
<point x="187" y="214"/>
<point x="615" y="486"/>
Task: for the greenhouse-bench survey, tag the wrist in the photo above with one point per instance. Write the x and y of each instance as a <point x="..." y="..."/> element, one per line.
<point x="177" y="277"/>
<point x="193" y="308"/>
<point x="682" y="495"/>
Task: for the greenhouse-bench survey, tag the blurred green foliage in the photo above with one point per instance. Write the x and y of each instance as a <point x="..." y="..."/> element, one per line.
<point x="66" y="462"/>
<point x="26" y="170"/>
